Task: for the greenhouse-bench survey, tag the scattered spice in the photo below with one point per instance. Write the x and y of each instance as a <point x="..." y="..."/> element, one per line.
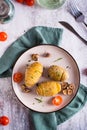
<point x="29" y="60"/>
<point x="37" y="84"/>
<point x="57" y="59"/>
<point x="27" y="65"/>
<point x="68" y="67"/>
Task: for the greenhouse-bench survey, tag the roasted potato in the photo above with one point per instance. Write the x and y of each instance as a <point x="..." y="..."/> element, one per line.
<point x="57" y="73"/>
<point x="33" y="73"/>
<point x="49" y="88"/>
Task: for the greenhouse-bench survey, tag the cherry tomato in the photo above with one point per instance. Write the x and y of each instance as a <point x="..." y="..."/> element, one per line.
<point x="57" y="100"/>
<point x="3" y="36"/>
<point x="17" y="77"/>
<point x="4" y="120"/>
<point x="30" y="2"/>
<point x="20" y="1"/>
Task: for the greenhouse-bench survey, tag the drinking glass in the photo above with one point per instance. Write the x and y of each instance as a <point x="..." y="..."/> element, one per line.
<point x="51" y="4"/>
<point x="6" y="11"/>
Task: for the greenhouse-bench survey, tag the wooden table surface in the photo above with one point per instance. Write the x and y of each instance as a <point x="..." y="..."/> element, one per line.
<point x="26" y="17"/>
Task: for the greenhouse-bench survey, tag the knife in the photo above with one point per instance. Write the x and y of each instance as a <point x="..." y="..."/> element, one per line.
<point x="70" y="28"/>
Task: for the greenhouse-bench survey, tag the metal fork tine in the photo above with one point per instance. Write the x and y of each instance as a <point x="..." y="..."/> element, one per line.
<point x="74" y="9"/>
<point x="71" y="9"/>
<point x="76" y="12"/>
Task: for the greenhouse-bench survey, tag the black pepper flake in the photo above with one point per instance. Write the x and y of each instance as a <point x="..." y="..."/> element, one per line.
<point x="68" y="67"/>
<point x="29" y="60"/>
<point x="37" y="84"/>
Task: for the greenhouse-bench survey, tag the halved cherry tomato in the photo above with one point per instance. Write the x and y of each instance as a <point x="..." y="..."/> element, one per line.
<point x="3" y="36"/>
<point x="30" y="2"/>
<point x="20" y="1"/>
<point x="17" y="77"/>
<point x="4" y="120"/>
<point x="57" y="100"/>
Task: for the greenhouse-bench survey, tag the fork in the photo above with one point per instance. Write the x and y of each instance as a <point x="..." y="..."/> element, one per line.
<point x="74" y="10"/>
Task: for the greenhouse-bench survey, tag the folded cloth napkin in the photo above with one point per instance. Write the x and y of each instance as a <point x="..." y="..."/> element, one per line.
<point x="35" y="36"/>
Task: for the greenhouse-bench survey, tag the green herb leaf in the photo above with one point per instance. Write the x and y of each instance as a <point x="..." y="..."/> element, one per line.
<point x="57" y="59"/>
<point x="39" y="100"/>
<point x="68" y="67"/>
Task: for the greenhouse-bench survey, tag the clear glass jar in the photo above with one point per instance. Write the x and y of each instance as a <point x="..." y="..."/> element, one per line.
<point x="51" y="4"/>
<point x="6" y="11"/>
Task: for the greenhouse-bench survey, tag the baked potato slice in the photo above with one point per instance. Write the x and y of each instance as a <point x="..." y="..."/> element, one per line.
<point x="57" y="73"/>
<point x="33" y="73"/>
<point x="48" y="88"/>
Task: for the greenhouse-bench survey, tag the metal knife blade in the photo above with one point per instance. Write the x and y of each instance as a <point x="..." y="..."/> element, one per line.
<point x="70" y="28"/>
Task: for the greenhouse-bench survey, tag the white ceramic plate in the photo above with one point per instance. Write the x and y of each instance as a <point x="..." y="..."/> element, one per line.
<point x="66" y="61"/>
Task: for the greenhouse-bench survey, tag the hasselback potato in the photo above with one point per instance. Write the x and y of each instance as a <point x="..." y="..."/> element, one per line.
<point x="48" y="88"/>
<point x="33" y="73"/>
<point x="57" y="73"/>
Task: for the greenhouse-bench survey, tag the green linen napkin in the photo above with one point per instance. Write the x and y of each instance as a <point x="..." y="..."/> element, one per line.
<point x="35" y="36"/>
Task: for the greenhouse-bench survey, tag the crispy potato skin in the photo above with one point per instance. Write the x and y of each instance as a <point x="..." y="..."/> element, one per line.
<point x="33" y="73"/>
<point x="49" y="88"/>
<point x="57" y="73"/>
